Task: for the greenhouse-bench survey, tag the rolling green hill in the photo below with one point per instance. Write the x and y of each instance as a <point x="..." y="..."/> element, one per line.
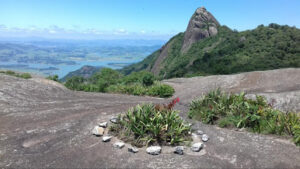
<point x="226" y="52"/>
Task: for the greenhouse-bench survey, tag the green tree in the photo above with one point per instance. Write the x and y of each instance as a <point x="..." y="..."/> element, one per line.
<point x="75" y="83"/>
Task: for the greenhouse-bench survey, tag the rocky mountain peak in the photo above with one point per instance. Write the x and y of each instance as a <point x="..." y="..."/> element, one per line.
<point x="202" y="25"/>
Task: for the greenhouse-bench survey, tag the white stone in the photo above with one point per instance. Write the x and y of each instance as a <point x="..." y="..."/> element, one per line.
<point x="106" y="138"/>
<point x="194" y="135"/>
<point x="205" y="138"/>
<point x="98" y="131"/>
<point x="114" y="120"/>
<point x="200" y="132"/>
<point x="119" y="145"/>
<point x="153" y="150"/>
<point x="133" y="149"/>
<point x="197" y="147"/>
<point x="104" y="124"/>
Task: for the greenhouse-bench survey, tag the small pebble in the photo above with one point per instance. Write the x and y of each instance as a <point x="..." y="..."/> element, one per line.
<point x="119" y="145"/>
<point x="98" y="131"/>
<point x="153" y="150"/>
<point x="205" y="138"/>
<point x="200" y="132"/>
<point x="104" y="124"/>
<point x="133" y="149"/>
<point x="179" y="150"/>
<point x="197" y="147"/>
<point x="114" y="120"/>
<point x="106" y="138"/>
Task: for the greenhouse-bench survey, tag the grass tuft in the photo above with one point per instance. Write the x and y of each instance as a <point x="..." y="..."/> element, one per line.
<point x="150" y="124"/>
<point x="231" y="110"/>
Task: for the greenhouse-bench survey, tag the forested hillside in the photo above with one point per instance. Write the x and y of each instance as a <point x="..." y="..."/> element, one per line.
<point x="230" y="51"/>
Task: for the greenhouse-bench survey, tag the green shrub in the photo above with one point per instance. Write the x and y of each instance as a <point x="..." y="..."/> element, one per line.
<point x="161" y="90"/>
<point x="24" y="75"/>
<point x="9" y="72"/>
<point x="148" y="79"/>
<point x="20" y="75"/>
<point x="105" y="78"/>
<point x="144" y="124"/>
<point x="75" y="83"/>
<point x="139" y="90"/>
<point x="111" y="81"/>
<point x="54" y="78"/>
<point x="230" y="110"/>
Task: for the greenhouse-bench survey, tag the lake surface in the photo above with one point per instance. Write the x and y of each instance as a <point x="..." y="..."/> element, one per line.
<point x="61" y="58"/>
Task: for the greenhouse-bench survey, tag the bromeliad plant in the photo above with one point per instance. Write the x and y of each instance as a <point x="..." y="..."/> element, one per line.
<point x="233" y="110"/>
<point x="150" y="124"/>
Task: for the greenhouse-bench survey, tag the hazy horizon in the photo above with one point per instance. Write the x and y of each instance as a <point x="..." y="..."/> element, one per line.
<point x="139" y="19"/>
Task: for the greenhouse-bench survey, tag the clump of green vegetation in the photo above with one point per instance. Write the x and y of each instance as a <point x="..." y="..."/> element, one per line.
<point x="152" y="124"/>
<point x="20" y="75"/>
<point x="111" y="81"/>
<point x="157" y="89"/>
<point x="230" y="110"/>
<point x="54" y="78"/>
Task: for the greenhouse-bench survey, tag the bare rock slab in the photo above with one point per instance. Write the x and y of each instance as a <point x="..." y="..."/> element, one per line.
<point x="197" y="147"/>
<point x="154" y="150"/>
<point x="98" y="131"/>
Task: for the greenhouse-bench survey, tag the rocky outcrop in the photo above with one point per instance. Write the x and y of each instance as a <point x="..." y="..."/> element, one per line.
<point x="202" y="25"/>
<point x="45" y="125"/>
<point x="281" y="87"/>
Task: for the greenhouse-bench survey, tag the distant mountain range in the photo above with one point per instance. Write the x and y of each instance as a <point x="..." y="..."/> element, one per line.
<point x="207" y="48"/>
<point x="85" y="72"/>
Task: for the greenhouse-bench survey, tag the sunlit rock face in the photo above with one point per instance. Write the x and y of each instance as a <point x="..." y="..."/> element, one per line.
<point x="202" y="25"/>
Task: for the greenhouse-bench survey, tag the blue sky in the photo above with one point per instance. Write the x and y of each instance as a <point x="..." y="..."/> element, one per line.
<point x="136" y="19"/>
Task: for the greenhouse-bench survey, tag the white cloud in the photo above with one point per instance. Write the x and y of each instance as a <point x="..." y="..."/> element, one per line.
<point x="52" y="31"/>
<point x="121" y="31"/>
<point x="75" y="32"/>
